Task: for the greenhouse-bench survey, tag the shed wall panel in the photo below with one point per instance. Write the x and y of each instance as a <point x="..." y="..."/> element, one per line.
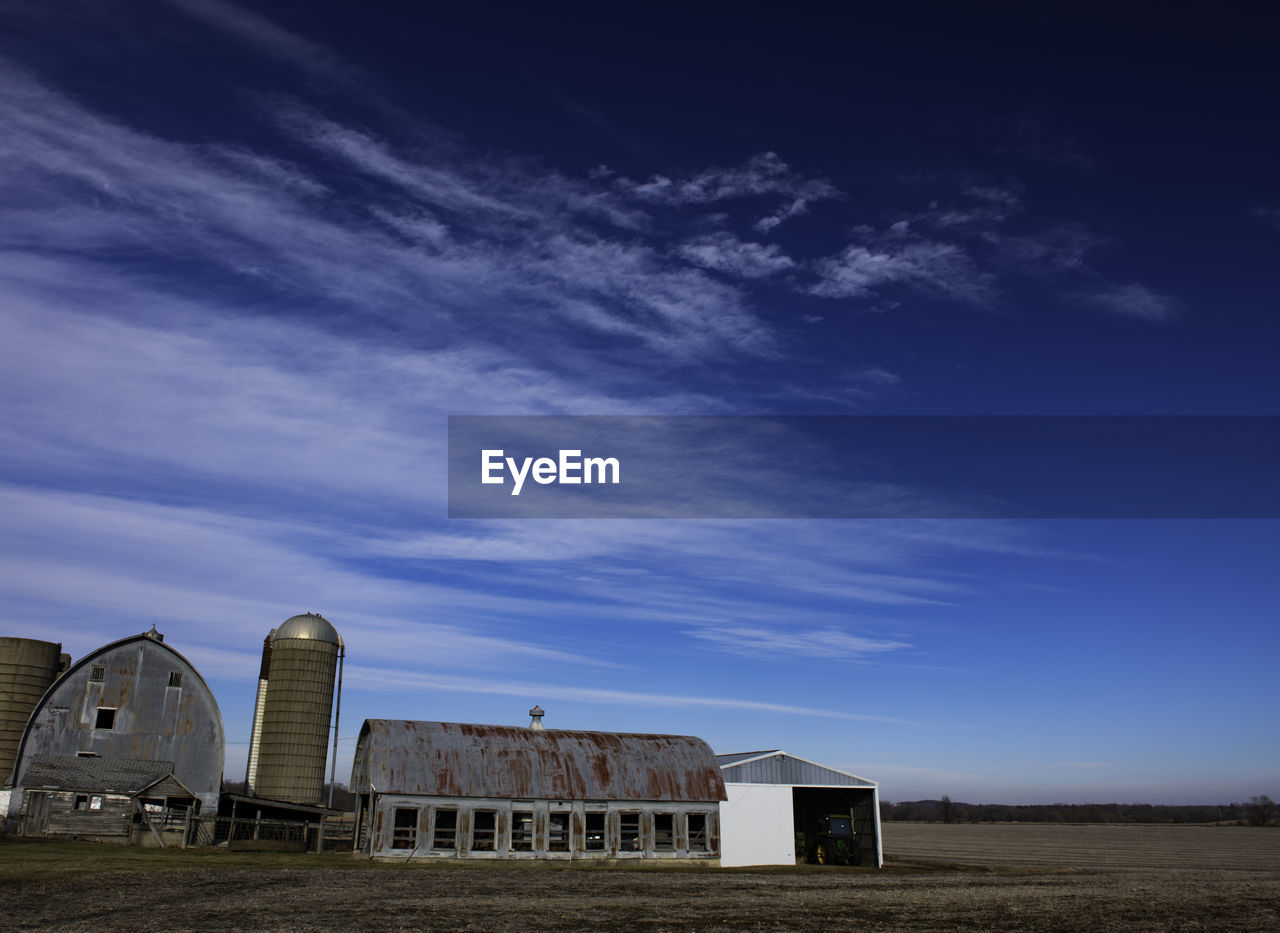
<point x="756" y="825"/>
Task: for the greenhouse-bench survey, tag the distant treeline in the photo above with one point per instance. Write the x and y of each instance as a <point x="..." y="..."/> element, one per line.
<point x="948" y="811"/>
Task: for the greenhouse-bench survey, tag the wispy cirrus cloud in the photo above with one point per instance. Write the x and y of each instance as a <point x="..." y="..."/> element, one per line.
<point x="823" y="643"/>
<point x="764" y="175"/>
<point x="1135" y="301"/>
<point x="942" y="269"/>
<point x="448" y="236"/>
<point x="374" y="679"/>
<point x="250" y="28"/>
<point x="1268" y="215"/>
<point x="723" y="252"/>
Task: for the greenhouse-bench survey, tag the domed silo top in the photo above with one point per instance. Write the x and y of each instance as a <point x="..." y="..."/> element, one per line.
<point x="308" y="625"/>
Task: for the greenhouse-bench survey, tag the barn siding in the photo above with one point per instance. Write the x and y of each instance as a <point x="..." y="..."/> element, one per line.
<point x="112" y="820"/>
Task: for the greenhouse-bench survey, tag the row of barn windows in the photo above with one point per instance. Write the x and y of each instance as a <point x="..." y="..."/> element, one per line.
<point x="484" y="831"/>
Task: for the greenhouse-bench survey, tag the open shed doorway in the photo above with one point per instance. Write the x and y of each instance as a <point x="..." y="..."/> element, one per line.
<point x="809" y="804"/>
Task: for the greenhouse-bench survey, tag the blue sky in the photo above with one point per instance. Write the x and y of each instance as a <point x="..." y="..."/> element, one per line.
<point x="254" y="256"/>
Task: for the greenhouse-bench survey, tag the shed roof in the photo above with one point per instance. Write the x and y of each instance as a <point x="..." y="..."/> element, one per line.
<point x="732" y="757"/>
<point x="104" y="775"/>
<point x="451" y="759"/>
<point x="780" y="767"/>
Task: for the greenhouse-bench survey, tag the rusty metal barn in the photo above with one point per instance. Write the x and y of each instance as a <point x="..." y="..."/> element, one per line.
<point x="459" y="790"/>
<point x="134" y="700"/>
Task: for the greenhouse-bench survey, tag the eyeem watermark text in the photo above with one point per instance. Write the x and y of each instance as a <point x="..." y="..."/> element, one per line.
<point x="570" y="469"/>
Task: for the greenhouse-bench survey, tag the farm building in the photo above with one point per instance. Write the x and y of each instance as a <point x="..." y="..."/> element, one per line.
<point x="457" y="790"/>
<point x="773" y="796"/>
<point x="134" y="700"/>
<point x="105" y="799"/>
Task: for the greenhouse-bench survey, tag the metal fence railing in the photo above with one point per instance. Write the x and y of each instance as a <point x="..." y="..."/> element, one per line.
<point x="324" y="836"/>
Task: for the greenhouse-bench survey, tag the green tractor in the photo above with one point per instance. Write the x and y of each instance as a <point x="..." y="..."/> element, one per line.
<point x="832" y="842"/>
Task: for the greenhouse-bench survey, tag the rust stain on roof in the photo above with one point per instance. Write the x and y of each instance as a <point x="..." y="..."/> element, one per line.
<point x="471" y="760"/>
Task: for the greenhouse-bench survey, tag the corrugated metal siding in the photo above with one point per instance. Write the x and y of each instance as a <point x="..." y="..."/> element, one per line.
<point x="466" y="760"/>
<point x="786" y="769"/>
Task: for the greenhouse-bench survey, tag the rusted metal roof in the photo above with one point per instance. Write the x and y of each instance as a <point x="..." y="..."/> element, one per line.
<point x="451" y="759"/>
<point x="110" y="775"/>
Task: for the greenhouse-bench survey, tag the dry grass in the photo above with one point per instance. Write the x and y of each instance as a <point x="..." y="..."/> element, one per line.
<point x="1004" y="877"/>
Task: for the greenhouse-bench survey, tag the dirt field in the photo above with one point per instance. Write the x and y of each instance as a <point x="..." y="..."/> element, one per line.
<point x="1016" y="877"/>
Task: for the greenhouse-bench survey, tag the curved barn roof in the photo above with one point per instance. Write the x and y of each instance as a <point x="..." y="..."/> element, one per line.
<point x="451" y="759"/>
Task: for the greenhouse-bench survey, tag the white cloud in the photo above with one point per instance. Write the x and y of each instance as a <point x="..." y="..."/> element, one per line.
<point x="723" y="252"/>
<point x="1057" y="249"/>
<point x="1006" y="199"/>
<point x="375" y="679"/>
<point x="823" y="643"/>
<point x="270" y="38"/>
<point x="1268" y="215"/>
<point x="762" y="175"/>
<point x="449" y="234"/>
<point x="937" y="268"/>
<point x="1136" y="301"/>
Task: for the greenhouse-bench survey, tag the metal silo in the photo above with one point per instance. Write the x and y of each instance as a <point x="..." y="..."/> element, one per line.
<point x="259" y="709"/>
<point x="288" y="756"/>
<point x="27" y="668"/>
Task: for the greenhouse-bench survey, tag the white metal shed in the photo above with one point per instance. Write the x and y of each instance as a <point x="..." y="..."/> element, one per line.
<point x="772" y="795"/>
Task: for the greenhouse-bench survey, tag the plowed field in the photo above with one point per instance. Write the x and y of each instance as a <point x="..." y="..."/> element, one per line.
<point x="1014" y="877"/>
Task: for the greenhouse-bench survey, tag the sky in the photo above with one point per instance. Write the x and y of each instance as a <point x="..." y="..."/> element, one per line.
<point x="253" y="256"/>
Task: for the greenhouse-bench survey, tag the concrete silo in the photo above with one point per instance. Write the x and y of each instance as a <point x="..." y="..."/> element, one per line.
<point x="291" y="721"/>
<point x="27" y="668"/>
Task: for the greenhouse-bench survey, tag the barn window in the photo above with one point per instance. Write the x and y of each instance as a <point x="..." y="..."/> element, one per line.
<point x="446" y="834"/>
<point x="629" y="831"/>
<point x="698" y="832"/>
<point x="521" y="831"/>
<point x="86" y="754"/>
<point x="175" y="678"/>
<point x="98" y="674"/>
<point x="558" y="831"/>
<point x="82" y="802"/>
<point x="404" y="833"/>
<point x="106" y="718"/>
<point x="664" y="831"/>
<point x="484" y="831"/>
<point x="594" y="832"/>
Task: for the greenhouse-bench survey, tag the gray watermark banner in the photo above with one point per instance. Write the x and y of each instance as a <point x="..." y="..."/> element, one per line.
<point x="864" y="466"/>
